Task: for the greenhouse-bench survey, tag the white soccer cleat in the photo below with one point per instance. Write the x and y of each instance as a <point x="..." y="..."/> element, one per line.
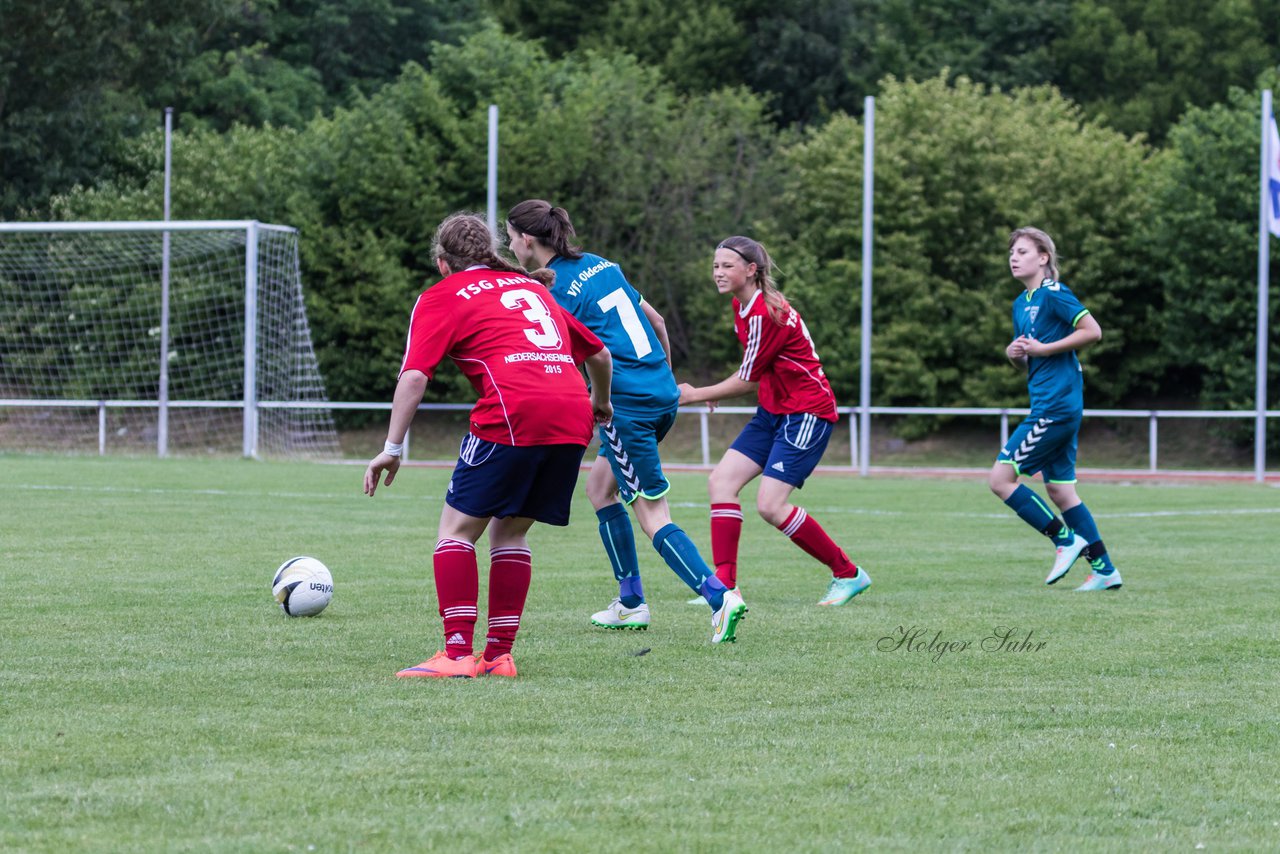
<point x="1065" y="557"/>
<point x="724" y="623"/>
<point x="618" y="616"/>
<point x="1098" y="581"/>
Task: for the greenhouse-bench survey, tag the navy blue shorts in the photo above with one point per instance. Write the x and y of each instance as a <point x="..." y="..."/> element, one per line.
<point x="535" y="482"/>
<point x="630" y="443"/>
<point x="1044" y="445"/>
<point x="787" y="447"/>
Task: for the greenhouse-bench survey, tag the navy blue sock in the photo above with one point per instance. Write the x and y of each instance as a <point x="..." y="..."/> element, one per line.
<point x="681" y="555"/>
<point x="630" y="590"/>
<point x="620" y="544"/>
<point x="1037" y="514"/>
<point x="1081" y="520"/>
<point x="713" y="591"/>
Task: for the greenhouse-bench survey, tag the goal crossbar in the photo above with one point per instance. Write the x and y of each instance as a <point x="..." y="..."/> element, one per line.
<point x="144" y="225"/>
<point x="277" y="367"/>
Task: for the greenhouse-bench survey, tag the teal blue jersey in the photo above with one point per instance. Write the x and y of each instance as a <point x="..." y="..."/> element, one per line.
<point x="1047" y="314"/>
<point x="594" y="290"/>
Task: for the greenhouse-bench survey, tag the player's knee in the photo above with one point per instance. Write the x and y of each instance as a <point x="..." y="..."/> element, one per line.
<point x="1001" y="480"/>
<point x="719" y="486"/>
<point x="775" y="513"/>
<point x="1063" y="494"/>
<point x="601" y="495"/>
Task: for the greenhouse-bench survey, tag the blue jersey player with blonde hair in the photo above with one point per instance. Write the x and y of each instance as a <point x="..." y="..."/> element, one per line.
<point x="645" y="400"/>
<point x="1050" y="324"/>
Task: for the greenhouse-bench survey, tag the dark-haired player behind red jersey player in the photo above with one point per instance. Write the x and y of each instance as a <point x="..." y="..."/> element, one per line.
<point x="519" y="462"/>
<point x="790" y="430"/>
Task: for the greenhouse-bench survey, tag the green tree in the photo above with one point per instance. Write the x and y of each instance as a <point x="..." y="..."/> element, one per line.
<point x="1137" y="64"/>
<point x="1204" y="231"/>
<point x="809" y="58"/>
<point x="282" y="61"/>
<point x="958" y="167"/>
<point x="79" y="81"/>
<point x="73" y="83"/>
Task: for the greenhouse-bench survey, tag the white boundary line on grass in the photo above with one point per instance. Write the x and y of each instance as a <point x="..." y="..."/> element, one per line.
<point x="137" y="490"/>
<point x="689" y="505"/>
<point x="857" y="511"/>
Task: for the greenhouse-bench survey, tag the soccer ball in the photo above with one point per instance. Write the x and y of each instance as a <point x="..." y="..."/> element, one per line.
<point x="302" y="586"/>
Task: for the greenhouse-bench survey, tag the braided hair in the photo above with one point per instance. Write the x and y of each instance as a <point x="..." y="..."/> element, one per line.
<point x="464" y="240"/>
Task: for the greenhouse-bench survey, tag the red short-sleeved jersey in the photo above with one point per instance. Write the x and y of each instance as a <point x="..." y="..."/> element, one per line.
<point x="518" y="348"/>
<point x="782" y="358"/>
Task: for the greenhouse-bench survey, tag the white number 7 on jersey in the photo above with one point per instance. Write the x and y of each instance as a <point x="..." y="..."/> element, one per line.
<point x="630" y="320"/>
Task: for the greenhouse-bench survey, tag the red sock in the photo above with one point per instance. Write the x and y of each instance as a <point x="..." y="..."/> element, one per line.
<point x="806" y="533"/>
<point x="510" y="570"/>
<point x="458" y="588"/>
<point x="726" y="530"/>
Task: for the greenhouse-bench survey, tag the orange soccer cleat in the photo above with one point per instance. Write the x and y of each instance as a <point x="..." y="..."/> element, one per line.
<point x="441" y="664"/>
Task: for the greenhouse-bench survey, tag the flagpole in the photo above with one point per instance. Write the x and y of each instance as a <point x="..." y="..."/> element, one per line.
<point x="1264" y="273"/>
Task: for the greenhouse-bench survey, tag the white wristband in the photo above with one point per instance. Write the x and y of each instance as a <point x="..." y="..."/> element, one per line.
<point x="393" y="449"/>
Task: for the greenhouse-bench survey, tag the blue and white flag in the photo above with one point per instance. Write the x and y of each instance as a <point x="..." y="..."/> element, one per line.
<point x="1273" y="177"/>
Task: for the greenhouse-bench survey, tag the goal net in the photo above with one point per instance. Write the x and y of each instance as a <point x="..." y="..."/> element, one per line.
<point x="88" y="309"/>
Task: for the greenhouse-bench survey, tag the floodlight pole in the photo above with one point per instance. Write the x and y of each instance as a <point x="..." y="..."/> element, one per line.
<point x="162" y="426"/>
<point x="864" y="384"/>
<point x="493" y="168"/>
<point x="1264" y="275"/>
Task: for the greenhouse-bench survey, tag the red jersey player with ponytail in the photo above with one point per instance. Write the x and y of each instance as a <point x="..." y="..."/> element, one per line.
<point x="790" y="430"/>
<point x="519" y="462"/>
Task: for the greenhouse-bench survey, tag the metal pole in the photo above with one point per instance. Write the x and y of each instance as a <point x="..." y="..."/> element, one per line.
<point x="704" y="436"/>
<point x="864" y="393"/>
<point x="1153" y="442"/>
<point x="853" y="441"/>
<point x="251" y="341"/>
<point x="1264" y="271"/>
<point x="162" y="426"/>
<point x="493" y="168"/>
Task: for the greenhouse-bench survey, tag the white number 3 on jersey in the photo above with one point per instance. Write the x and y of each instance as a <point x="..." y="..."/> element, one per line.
<point x="545" y="336"/>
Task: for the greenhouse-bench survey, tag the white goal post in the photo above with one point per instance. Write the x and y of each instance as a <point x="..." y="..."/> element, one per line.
<point x="185" y="335"/>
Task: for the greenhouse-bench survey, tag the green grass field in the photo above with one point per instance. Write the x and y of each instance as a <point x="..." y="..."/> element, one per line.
<point x="154" y="698"/>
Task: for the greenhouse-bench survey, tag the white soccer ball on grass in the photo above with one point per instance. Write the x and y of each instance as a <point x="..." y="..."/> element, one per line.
<point x="303" y="586"/>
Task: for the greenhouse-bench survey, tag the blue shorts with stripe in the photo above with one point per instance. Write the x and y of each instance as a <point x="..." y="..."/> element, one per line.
<point x="630" y="443"/>
<point x="536" y="481"/>
<point x="787" y="447"/>
<point x="1043" y="444"/>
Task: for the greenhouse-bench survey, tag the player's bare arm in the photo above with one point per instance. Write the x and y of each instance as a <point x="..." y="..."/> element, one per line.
<point x="1017" y="352"/>
<point x="600" y="369"/>
<point x="404" y="405"/>
<point x="1087" y="332"/>
<point x="659" y="325"/>
<point x="732" y="387"/>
